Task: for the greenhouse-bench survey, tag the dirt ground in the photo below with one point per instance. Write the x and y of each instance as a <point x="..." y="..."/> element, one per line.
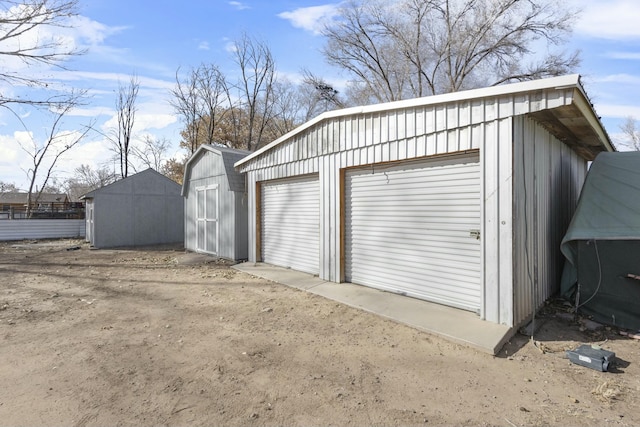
<point x="157" y="336"/>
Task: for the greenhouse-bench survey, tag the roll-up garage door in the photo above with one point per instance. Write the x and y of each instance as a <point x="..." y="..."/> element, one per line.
<point x="413" y="228"/>
<point x="291" y="223"/>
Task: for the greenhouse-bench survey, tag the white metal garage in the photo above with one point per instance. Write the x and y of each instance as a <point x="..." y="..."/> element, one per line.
<point x="413" y="228"/>
<point x="401" y="210"/>
<point x="291" y="223"/>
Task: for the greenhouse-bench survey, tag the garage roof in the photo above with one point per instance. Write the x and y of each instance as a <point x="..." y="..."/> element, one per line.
<point x="574" y="122"/>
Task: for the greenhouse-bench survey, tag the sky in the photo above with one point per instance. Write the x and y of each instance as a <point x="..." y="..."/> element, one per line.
<point x="155" y="39"/>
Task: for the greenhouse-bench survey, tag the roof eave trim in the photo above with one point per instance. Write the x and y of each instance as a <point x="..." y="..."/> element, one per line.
<point x="585" y="107"/>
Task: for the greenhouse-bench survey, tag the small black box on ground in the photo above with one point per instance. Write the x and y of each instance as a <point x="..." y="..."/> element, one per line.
<point x="594" y="358"/>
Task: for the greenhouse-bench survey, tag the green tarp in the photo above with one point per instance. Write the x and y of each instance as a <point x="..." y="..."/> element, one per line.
<point x="602" y="243"/>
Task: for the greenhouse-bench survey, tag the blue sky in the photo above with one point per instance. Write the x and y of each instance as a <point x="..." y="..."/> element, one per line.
<point x="154" y="38"/>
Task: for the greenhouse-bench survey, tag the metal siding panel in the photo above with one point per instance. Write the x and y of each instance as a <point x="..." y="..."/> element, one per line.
<point x="477" y="111"/>
<point x="376" y="136"/>
<point x="497" y="245"/>
<point x="393" y="125"/>
<point x="410" y="123"/>
<point x="504" y="220"/>
<point x="548" y="173"/>
<point x="290" y="223"/>
<point x="325" y="216"/>
<point x="490" y="229"/>
<point x="408" y="230"/>
<point x="464" y="114"/>
<point x="452" y="116"/>
<point x="401" y="123"/>
<point x="360" y="136"/>
<point x="251" y="217"/>
<point x="20" y="229"/>
<point x="403" y="147"/>
<point x="441" y="118"/>
<point x="505" y="107"/>
<point x="393" y="150"/>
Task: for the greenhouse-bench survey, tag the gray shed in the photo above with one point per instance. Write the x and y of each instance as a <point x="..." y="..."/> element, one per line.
<point x="215" y="205"/>
<point x="140" y="210"/>
<point x="460" y="199"/>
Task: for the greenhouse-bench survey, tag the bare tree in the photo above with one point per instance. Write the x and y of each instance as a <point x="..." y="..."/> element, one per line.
<point x="631" y="133"/>
<point x="397" y="49"/>
<point x="86" y="179"/>
<point x="126" y="111"/>
<point x="22" y="38"/>
<point x="200" y="100"/>
<point x="46" y="154"/>
<point x="324" y="97"/>
<point x="256" y="85"/>
<point x="8" y="187"/>
<point x="151" y="151"/>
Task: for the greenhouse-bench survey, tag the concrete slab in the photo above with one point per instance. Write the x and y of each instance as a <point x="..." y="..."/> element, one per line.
<point x="456" y="325"/>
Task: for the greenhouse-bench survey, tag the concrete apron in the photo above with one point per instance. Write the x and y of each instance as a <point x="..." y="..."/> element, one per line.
<point x="456" y="325"/>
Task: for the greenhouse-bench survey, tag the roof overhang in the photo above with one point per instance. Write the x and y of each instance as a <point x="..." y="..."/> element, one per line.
<point x="577" y="125"/>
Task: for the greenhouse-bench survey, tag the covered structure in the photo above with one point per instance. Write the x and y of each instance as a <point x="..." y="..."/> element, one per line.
<point x="215" y="204"/>
<point x="602" y="243"/>
<point x="139" y="210"/>
<point x="460" y="199"/>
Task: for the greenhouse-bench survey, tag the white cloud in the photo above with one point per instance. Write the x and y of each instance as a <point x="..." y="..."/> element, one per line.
<point x="203" y="45"/>
<point x="312" y="18"/>
<point x="143" y="122"/>
<point x="609" y="19"/>
<point x="238" y="5"/>
<point x="632" y="56"/>
<point x="628" y="79"/>
<point x="90" y="32"/>
<point x="229" y="46"/>
<point x="619" y="111"/>
<point x="95" y="153"/>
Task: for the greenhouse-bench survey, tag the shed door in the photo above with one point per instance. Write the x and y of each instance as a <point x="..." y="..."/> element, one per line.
<point x="89" y="221"/>
<point x="413" y="228"/>
<point x="290" y="229"/>
<point x="207" y="219"/>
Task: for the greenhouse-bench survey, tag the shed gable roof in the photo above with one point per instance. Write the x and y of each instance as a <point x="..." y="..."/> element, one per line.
<point x="229" y="157"/>
<point x="560" y="104"/>
<point x="150" y="173"/>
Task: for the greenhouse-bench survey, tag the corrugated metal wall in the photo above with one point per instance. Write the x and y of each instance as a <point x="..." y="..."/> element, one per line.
<point x="207" y="170"/>
<point x="548" y="177"/>
<point x="410" y="133"/>
<point x="41" y="229"/>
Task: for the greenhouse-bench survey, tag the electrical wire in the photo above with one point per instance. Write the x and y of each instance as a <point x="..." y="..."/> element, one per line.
<point x="595" y="245"/>
<point x="526" y="245"/>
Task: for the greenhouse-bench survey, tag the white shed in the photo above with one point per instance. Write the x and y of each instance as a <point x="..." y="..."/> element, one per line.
<point x="460" y="199"/>
<point x="139" y="210"/>
<point x="215" y="204"/>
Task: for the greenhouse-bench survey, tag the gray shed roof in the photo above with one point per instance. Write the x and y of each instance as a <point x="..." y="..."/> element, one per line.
<point x="229" y="157"/>
<point x="150" y="171"/>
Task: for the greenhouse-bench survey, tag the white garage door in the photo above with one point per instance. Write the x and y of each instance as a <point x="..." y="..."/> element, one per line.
<point x="291" y="223"/>
<point x="413" y="229"/>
